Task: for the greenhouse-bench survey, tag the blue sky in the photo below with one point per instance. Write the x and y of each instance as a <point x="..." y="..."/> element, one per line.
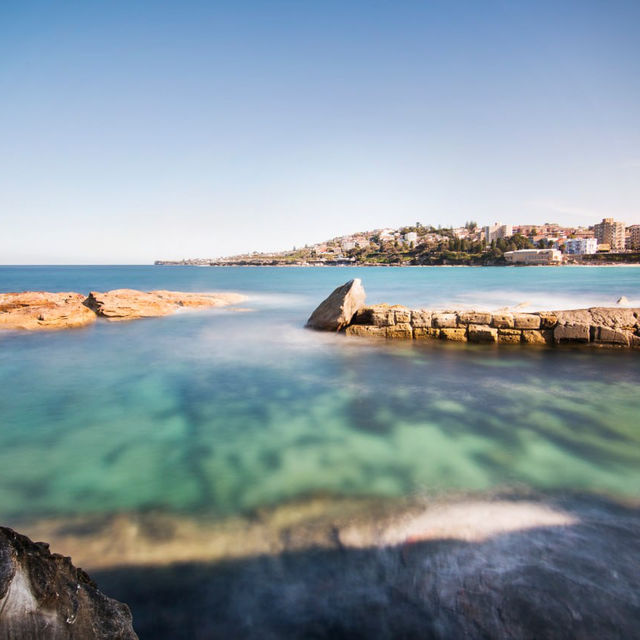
<point x="131" y="131"/>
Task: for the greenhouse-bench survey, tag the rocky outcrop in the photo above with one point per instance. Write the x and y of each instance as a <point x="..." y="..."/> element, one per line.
<point x="597" y="326"/>
<point x="37" y="310"/>
<point x="43" y="596"/>
<point x="129" y="304"/>
<point x="34" y="310"/>
<point x="336" y="312"/>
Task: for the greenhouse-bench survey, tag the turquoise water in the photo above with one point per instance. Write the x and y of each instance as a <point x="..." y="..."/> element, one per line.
<point x="222" y="412"/>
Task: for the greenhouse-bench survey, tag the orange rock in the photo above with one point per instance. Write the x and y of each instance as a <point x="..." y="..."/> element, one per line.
<point x="37" y="310"/>
<point x="129" y="304"/>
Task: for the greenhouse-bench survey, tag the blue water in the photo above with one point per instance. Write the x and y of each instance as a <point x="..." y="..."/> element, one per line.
<point x="222" y="412"/>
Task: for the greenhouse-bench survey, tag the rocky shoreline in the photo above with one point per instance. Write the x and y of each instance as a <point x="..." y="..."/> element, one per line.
<point x="345" y="310"/>
<point x="43" y="310"/>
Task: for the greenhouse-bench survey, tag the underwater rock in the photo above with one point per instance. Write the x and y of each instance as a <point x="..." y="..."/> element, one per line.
<point x="336" y="312"/>
<point x="43" y="596"/>
<point x="129" y="304"/>
<point x="37" y="310"/>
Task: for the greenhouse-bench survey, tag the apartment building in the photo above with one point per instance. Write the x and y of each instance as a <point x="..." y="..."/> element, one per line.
<point x="610" y="232"/>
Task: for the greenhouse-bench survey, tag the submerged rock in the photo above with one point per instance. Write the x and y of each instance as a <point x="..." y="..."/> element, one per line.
<point x="37" y="310"/>
<point x="336" y="312"/>
<point x="129" y="304"/>
<point x="43" y="596"/>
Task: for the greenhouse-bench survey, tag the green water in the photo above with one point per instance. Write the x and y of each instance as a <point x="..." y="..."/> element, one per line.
<point x="223" y="412"/>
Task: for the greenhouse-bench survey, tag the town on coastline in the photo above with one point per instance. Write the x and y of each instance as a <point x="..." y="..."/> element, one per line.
<point x="608" y="242"/>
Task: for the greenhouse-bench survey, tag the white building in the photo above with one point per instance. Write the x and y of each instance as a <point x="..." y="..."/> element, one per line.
<point x="412" y="236"/>
<point x="496" y="231"/>
<point x="580" y="246"/>
<point x="533" y="256"/>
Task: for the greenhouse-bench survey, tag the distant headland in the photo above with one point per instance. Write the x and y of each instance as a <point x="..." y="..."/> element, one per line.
<point x="608" y="242"/>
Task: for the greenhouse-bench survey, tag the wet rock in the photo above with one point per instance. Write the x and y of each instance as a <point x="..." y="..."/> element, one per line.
<point x="482" y="333"/>
<point x="611" y="336"/>
<point x="38" y="310"/>
<point x="401" y="331"/>
<point x="129" y="304"/>
<point x="366" y="331"/>
<point x="426" y="333"/>
<point x="44" y="597"/>
<point x="502" y="320"/>
<point x="421" y="319"/>
<point x="571" y="333"/>
<point x="509" y="336"/>
<point x="526" y="321"/>
<point x="380" y="315"/>
<point x="336" y="312"/>
<point x="531" y="336"/>
<point x="622" y="300"/>
<point x="454" y="335"/>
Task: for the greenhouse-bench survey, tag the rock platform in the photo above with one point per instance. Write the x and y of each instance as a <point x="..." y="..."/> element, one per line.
<point x="43" y="310"/>
<point x="597" y="326"/>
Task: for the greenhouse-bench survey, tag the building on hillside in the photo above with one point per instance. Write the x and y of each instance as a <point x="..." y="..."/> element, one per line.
<point x="412" y="236"/>
<point x="580" y="246"/>
<point x="496" y="231"/>
<point x="634" y="236"/>
<point x="533" y="256"/>
<point x="610" y="232"/>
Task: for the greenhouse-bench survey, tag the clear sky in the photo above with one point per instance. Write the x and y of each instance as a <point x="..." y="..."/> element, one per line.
<point x="131" y="131"/>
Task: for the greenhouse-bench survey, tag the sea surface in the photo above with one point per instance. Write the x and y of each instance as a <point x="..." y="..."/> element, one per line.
<point x="227" y="411"/>
<point x="228" y="473"/>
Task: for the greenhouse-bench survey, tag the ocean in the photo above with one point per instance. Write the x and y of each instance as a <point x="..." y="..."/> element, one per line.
<point x="216" y="416"/>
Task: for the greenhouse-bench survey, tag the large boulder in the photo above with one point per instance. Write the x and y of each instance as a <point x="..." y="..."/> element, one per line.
<point x="37" y="310"/>
<point x="44" y="597"/>
<point x="337" y="311"/>
<point x="129" y="304"/>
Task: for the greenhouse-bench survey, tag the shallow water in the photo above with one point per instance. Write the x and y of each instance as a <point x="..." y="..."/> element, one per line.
<point x="222" y="412"/>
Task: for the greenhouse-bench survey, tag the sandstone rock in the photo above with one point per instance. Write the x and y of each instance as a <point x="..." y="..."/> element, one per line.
<point x="614" y="318"/>
<point x="544" y="336"/>
<point x="526" y="321"/>
<point x="43" y="596"/>
<point x="129" y="304"/>
<point x="402" y="315"/>
<point x="455" y="335"/>
<point x="548" y="320"/>
<point x="611" y="336"/>
<point x="502" y="320"/>
<point x="509" y="336"/>
<point x="444" y="320"/>
<point x="634" y="341"/>
<point x="482" y="333"/>
<point x="575" y="316"/>
<point x="474" y="317"/>
<point x="426" y="333"/>
<point x="571" y="333"/>
<point x="336" y="312"/>
<point x="366" y="331"/>
<point x="401" y="331"/>
<point x="421" y="318"/>
<point x="36" y="310"/>
<point x="380" y="315"/>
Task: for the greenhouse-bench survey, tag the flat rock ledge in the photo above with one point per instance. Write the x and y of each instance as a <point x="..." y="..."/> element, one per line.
<point x="43" y="310"/>
<point x="597" y="326"/>
<point x="43" y="596"/>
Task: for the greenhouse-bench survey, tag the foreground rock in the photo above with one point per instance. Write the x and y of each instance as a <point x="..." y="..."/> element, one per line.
<point x="337" y="311"/>
<point x="43" y="596"/>
<point x="129" y="304"/>
<point x="597" y="326"/>
<point x="35" y="310"/>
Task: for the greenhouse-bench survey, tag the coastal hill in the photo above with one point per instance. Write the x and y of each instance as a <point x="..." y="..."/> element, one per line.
<point x="420" y="244"/>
